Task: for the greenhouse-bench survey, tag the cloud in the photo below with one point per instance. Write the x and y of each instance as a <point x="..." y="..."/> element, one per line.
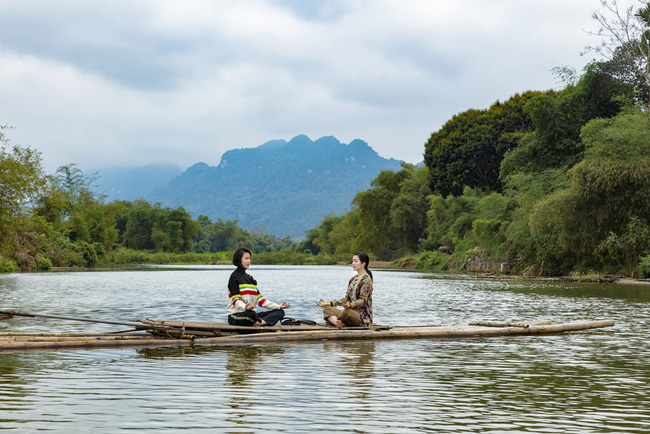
<point x="142" y="81"/>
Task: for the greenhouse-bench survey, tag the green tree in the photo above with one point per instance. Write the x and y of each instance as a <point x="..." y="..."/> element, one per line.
<point x="579" y="226"/>
<point x="387" y="220"/>
<point x="101" y="223"/>
<point x="138" y="225"/>
<point x="558" y="118"/>
<point x="625" y="42"/>
<point x="344" y="235"/>
<point x="627" y="249"/>
<point x="76" y="186"/>
<point x="614" y="178"/>
<point x="375" y="232"/>
<point x="22" y="180"/>
<point x="322" y="234"/>
<point x="558" y="233"/>
<point x="172" y="229"/>
<point x="469" y="148"/>
<point x="450" y="219"/>
<point x="221" y="236"/>
<point x="408" y="210"/>
<point x="529" y="189"/>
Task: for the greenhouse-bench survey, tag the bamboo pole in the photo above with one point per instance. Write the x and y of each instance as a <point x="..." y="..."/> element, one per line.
<point x="37" y="334"/>
<point x="508" y="324"/>
<point x="196" y="325"/>
<point x="6" y="314"/>
<point x="52" y="341"/>
<point x="406" y="333"/>
<point x="91" y="344"/>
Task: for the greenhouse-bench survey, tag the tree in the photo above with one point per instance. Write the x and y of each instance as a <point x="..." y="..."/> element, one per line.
<point x="220" y="236"/>
<point x="344" y="235"/>
<point x="408" y="211"/>
<point x="625" y="41"/>
<point x="322" y="240"/>
<point x="450" y="219"/>
<point x="376" y="232"/>
<point x="469" y="148"/>
<point x="22" y="179"/>
<point x="607" y="204"/>
<point x="558" y="117"/>
<point x="614" y="177"/>
<point x="172" y="229"/>
<point x="137" y="229"/>
<point x="76" y="186"/>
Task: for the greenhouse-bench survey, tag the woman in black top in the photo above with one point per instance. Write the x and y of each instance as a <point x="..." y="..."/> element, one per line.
<point x="244" y="296"/>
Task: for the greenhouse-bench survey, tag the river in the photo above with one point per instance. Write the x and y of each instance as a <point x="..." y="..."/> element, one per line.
<point x="580" y="382"/>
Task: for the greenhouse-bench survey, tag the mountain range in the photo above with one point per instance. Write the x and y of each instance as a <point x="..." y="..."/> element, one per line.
<point x="280" y="188"/>
<point x="122" y="183"/>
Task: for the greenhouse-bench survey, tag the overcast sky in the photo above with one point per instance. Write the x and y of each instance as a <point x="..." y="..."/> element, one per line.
<point x="127" y="83"/>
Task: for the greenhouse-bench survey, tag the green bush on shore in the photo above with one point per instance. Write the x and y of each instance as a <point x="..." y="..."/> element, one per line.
<point x="283" y="257"/>
<point x="643" y="269"/>
<point x="128" y="256"/>
<point x="426" y="261"/>
<point x="44" y="264"/>
<point x="287" y="257"/>
<point x="6" y="266"/>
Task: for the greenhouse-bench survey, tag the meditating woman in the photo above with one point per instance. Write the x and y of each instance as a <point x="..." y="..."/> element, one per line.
<point x="357" y="303"/>
<point x="244" y="296"/>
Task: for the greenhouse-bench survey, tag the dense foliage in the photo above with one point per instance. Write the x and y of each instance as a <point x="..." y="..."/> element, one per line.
<point x="468" y="149"/>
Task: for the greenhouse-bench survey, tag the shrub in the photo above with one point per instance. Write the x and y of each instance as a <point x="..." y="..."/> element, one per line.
<point x="6" y="266"/>
<point x="432" y="261"/>
<point x="44" y="264"/>
<point x="643" y="269"/>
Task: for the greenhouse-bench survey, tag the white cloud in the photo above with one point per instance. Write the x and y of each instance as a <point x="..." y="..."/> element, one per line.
<point x="135" y="82"/>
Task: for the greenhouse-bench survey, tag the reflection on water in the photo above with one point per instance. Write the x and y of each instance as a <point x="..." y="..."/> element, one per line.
<point x="591" y="381"/>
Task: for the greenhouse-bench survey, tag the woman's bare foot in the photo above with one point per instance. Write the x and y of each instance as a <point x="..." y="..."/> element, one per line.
<point x="335" y="321"/>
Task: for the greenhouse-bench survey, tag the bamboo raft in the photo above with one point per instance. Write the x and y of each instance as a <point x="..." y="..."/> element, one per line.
<point x="156" y="333"/>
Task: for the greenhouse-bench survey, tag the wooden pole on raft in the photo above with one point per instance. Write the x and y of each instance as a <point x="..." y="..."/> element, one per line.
<point x="509" y="324"/>
<point x="46" y="341"/>
<point x="405" y="333"/>
<point x="8" y="314"/>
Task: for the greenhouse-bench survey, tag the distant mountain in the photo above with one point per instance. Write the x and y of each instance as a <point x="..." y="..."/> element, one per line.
<point x="281" y="188"/>
<point x="134" y="183"/>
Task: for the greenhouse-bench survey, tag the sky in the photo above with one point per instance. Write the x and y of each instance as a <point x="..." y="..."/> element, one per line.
<point x="134" y="82"/>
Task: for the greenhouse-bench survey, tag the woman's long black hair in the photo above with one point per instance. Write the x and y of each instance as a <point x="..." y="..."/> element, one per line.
<point x="363" y="257"/>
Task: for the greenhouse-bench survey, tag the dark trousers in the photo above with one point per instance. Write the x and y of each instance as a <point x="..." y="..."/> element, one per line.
<point x="249" y="317"/>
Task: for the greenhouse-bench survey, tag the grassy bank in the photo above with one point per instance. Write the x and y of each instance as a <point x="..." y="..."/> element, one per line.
<point x="286" y="257"/>
<point x="477" y="263"/>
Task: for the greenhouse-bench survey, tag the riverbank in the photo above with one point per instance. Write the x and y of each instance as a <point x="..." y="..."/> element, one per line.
<point x="565" y="279"/>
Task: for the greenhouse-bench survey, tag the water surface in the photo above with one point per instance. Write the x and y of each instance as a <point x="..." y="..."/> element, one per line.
<point x="588" y="381"/>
